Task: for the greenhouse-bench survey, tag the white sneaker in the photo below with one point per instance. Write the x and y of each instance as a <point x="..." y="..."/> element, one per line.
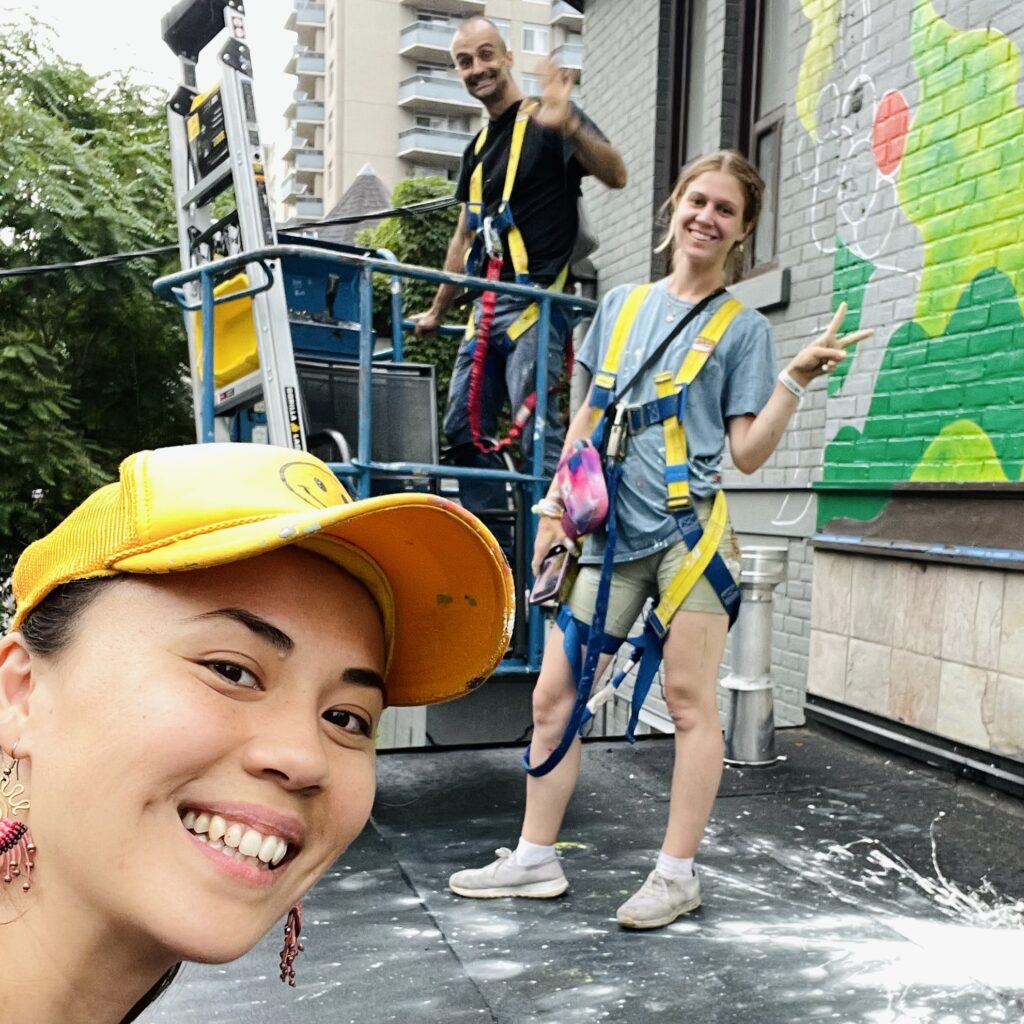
<point x="507" y="877"/>
<point x="659" y="901"/>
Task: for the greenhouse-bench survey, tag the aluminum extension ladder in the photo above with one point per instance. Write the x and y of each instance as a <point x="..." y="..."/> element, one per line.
<point x="215" y="146"/>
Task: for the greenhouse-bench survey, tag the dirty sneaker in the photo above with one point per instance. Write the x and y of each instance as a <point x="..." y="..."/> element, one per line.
<point x="659" y="901"/>
<point x="506" y="877"/>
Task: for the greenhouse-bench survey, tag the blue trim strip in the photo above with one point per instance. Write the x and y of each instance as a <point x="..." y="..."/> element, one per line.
<point x="909" y="547"/>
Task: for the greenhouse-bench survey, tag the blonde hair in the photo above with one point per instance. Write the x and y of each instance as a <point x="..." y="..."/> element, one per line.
<point x="728" y="161"/>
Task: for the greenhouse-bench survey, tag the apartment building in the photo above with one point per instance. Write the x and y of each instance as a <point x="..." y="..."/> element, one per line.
<point x="375" y="84"/>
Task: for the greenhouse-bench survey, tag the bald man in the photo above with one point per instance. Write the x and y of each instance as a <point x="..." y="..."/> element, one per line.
<point x="560" y="147"/>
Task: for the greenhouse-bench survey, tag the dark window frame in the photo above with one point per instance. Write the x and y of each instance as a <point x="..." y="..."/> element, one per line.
<point x="680" y="33"/>
<point x="750" y="128"/>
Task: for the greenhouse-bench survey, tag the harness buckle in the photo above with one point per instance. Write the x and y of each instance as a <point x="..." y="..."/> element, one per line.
<point x="492" y="239"/>
<point x="616" y="448"/>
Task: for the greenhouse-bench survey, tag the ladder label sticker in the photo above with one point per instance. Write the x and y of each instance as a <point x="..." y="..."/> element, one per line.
<point x="292" y="406"/>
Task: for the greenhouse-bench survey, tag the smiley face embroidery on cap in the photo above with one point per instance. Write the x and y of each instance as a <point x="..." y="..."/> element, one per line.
<point x="313" y="484"/>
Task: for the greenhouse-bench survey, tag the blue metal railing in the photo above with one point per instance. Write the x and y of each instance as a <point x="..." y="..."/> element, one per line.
<point x="362" y="467"/>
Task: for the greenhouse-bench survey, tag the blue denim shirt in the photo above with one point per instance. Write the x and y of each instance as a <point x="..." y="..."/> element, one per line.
<point x="737" y="380"/>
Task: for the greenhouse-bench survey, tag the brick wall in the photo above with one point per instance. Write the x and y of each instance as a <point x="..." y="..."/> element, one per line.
<point x="902" y="194"/>
<point x="620" y="90"/>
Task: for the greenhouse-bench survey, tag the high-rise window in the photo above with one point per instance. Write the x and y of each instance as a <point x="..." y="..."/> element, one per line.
<point x="431" y="18"/>
<point x="535" y="39"/>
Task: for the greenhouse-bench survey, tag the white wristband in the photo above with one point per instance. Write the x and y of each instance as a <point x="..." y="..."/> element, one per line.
<point x="787" y="381"/>
<point x="549" y="508"/>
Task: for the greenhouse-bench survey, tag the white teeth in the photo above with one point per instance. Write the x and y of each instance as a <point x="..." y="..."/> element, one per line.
<point x="251" y="843"/>
<point x="268" y="848"/>
<point x="234" y="839"/>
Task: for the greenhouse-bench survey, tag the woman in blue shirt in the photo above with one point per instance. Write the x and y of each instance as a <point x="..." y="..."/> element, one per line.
<point x="735" y="397"/>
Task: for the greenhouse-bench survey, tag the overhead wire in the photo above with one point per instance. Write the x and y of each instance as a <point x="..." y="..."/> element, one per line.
<point x="414" y="209"/>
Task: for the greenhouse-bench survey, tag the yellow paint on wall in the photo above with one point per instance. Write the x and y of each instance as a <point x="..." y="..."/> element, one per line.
<point x="816" y="66"/>
<point x="962" y="452"/>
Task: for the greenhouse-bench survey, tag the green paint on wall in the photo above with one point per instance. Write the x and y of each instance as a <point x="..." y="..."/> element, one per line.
<point x="850" y="279"/>
<point x="972" y="374"/>
<point x="961" y="180"/>
<point x="833" y="505"/>
<point x="948" y="401"/>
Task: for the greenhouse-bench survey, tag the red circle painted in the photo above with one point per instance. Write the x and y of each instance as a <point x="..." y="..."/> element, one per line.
<point x="889" y="131"/>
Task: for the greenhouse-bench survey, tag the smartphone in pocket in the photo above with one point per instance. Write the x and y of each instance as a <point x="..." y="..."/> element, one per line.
<point x="548" y="584"/>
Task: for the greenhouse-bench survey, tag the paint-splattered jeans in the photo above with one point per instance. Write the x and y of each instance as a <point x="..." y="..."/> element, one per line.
<point x="510" y="372"/>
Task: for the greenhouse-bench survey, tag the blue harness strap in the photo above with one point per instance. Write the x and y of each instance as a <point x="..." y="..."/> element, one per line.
<point x="668" y="408"/>
<point x="577" y="634"/>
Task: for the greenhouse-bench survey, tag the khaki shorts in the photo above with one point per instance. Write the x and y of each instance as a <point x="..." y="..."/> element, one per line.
<point x="636" y="581"/>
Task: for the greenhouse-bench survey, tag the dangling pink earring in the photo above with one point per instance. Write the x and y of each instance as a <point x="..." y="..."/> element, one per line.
<point x="292" y="947"/>
<point x="16" y="847"/>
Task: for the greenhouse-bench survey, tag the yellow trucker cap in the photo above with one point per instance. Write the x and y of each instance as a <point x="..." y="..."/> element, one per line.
<point x="438" y="576"/>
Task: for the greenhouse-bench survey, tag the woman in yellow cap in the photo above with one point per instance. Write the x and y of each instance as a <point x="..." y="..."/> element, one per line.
<point x="200" y="656"/>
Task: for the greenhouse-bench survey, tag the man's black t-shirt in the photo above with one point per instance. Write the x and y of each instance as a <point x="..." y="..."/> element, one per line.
<point x="544" y="195"/>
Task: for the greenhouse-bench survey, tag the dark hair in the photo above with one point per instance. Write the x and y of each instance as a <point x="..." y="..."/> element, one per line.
<point x="49" y="627"/>
<point x="47" y="630"/>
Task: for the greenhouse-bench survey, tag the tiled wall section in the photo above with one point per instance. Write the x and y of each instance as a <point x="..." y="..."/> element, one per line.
<point x="939" y="647"/>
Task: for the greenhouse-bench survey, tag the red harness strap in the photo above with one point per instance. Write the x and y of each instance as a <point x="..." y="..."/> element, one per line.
<point x="524" y="413"/>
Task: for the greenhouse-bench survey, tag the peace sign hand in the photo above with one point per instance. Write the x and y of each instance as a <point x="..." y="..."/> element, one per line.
<point x="826" y="352"/>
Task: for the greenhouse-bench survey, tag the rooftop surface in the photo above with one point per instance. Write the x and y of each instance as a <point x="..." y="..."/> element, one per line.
<point x="843" y="885"/>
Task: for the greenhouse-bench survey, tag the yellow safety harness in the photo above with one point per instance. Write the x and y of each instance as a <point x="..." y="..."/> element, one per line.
<point x="702" y="558"/>
<point x="487" y="232"/>
<point x="666" y="409"/>
<point x="487" y="241"/>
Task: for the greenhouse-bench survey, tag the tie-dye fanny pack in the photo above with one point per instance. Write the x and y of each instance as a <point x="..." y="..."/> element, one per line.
<point x="581" y="485"/>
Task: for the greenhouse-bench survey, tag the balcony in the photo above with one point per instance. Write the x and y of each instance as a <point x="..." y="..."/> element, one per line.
<point x="433" y="147"/>
<point x="305" y="62"/>
<point x="292" y="188"/>
<point x="305" y="14"/>
<point x="431" y="94"/>
<point x="305" y="111"/>
<point x="569" y="55"/>
<point x="567" y="16"/>
<point x="460" y="7"/>
<point x="309" y="207"/>
<point x="308" y="159"/>
<point x="293" y="145"/>
<point x="422" y="41"/>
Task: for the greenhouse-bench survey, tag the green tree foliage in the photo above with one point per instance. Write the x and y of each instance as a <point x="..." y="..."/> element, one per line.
<point x="421" y="240"/>
<point x="85" y="169"/>
<point x="46" y="467"/>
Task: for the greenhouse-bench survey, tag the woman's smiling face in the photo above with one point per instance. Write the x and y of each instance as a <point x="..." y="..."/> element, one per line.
<point x="203" y="750"/>
<point x="709" y="218"/>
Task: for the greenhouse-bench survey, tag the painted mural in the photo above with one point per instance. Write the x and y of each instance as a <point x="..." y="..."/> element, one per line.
<point x="912" y="153"/>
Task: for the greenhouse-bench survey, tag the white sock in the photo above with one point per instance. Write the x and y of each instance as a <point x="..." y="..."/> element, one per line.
<point x="675" y="867"/>
<point x="530" y="854"/>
